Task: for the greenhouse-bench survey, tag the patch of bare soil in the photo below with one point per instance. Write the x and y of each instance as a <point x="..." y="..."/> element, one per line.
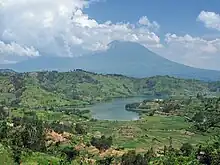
<point x="54" y="137"/>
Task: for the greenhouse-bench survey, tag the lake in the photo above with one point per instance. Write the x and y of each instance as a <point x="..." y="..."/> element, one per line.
<point x="115" y="109"/>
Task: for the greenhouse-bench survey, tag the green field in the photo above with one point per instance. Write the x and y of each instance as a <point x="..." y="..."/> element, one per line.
<point x="140" y="134"/>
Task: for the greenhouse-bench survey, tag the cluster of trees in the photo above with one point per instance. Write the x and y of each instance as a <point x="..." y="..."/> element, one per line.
<point x="27" y="134"/>
<point x="131" y="158"/>
<point x="70" y="153"/>
<point x="206" y="154"/>
<point x="170" y="107"/>
<point x="18" y="83"/>
<point x="59" y="127"/>
<point x="102" y="143"/>
<point x="80" y="129"/>
<point x="132" y="106"/>
<point x="207" y="116"/>
<point x="24" y="134"/>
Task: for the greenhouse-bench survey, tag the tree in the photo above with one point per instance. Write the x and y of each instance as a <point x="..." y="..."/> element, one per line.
<point x="131" y="158"/>
<point x="140" y="160"/>
<point x="102" y="143"/>
<point x="79" y="129"/>
<point x="3" y="130"/>
<point x="198" y="117"/>
<point x="70" y="153"/>
<point x="186" y="149"/>
<point x="105" y="161"/>
<point x="3" y="113"/>
<point x="208" y="116"/>
<point x="199" y="96"/>
<point x="128" y="158"/>
<point x="33" y="135"/>
<point x="151" y="113"/>
<point x="149" y="155"/>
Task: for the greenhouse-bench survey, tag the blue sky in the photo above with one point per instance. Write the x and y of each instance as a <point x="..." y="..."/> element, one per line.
<point x="175" y="16"/>
<point x="186" y="31"/>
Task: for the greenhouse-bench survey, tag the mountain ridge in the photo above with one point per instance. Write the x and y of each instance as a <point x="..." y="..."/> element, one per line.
<point x="126" y="58"/>
<point x="82" y="87"/>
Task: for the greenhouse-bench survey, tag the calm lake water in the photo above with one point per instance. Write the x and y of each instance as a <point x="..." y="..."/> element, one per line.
<point x="115" y="109"/>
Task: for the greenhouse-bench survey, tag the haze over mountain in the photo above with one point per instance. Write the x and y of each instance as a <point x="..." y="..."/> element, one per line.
<point x="127" y="58"/>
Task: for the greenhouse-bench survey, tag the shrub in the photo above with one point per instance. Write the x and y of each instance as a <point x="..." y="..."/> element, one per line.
<point x="102" y="143"/>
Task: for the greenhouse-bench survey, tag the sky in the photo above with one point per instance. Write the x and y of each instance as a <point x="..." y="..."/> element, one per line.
<point x="186" y="31"/>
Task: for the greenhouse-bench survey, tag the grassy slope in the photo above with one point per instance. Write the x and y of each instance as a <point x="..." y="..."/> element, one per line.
<point x="172" y="86"/>
<point x="87" y="86"/>
<point x="79" y="87"/>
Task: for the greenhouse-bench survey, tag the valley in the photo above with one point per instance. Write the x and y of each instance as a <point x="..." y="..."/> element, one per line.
<point x="109" y="82"/>
<point x="83" y="117"/>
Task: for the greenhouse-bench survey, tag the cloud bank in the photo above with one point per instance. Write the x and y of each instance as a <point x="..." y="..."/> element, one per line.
<point x="195" y="51"/>
<point x="192" y="51"/>
<point x="61" y="28"/>
<point x="31" y="28"/>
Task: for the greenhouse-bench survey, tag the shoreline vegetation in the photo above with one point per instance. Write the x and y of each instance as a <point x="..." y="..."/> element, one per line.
<point x="180" y="129"/>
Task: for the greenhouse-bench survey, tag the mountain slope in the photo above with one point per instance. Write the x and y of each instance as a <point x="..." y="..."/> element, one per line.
<point x="37" y="89"/>
<point x="134" y="60"/>
<point x="127" y="58"/>
<point x="6" y="71"/>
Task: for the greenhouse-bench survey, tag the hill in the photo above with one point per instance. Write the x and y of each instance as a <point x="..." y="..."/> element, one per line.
<point x="38" y="127"/>
<point x="6" y="71"/>
<point x="127" y="58"/>
<point x="37" y="89"/>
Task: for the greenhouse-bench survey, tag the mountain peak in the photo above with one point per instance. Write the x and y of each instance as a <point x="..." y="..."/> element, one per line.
<point x="124" y="44"/>
<point x="126" y="58"/>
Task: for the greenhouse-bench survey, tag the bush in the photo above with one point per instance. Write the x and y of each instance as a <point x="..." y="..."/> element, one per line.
<point x="131" y="158"/>
<point x="151" y="113"/>
<point x="102" y="143"/>
<point x="105" y="161"/>
<point x="70" y="153"/>
<point x="79" y="129"/>
<point x="186" y="149"/>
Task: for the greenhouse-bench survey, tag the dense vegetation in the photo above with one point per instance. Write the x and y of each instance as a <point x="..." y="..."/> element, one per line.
<point x="202" y="111"/>
<point x="78" y="88"/>
<point x="40" y="122"/>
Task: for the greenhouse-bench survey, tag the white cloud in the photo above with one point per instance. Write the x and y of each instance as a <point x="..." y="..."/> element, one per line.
<point x="145" y="21"/>
<point x="193" y="43"/>
<point x="210" y="19"/>
<point x="30" y="28"/>
<point x="8" y="51"/>
<point x="14" y="48"/>
<point x="61" y="28"/>
<point x="192" y="51"/>
<point x="2" y="61"/>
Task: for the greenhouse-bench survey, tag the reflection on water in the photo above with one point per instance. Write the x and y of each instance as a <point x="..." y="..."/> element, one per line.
<point x="115" y="109"/>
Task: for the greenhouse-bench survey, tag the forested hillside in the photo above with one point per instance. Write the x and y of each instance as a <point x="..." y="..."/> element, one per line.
<point x="37" y="89"/>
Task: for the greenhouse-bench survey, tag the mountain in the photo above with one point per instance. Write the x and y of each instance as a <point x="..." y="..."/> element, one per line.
<point x="6" y="71"/>
<point x="127" y="58"/>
